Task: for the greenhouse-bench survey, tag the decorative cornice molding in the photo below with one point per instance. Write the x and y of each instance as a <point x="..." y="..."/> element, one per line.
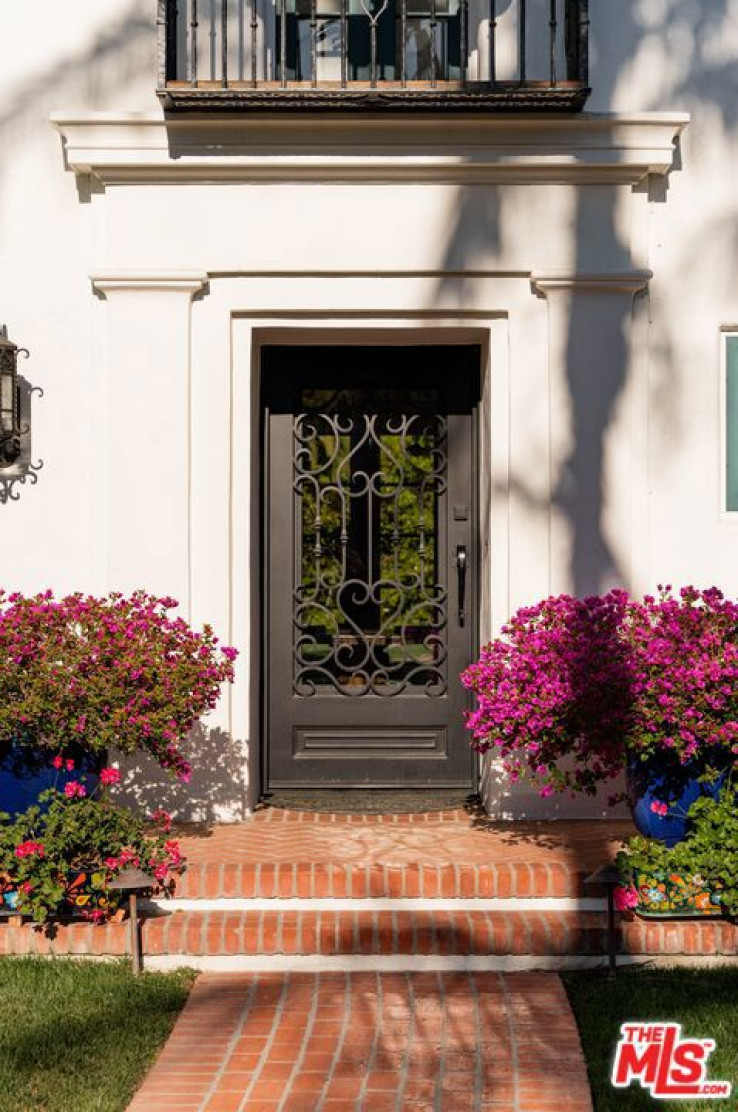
<point x="580" y="148"/>
<point x="615" y="281"/>
<point x="176" y="281"/>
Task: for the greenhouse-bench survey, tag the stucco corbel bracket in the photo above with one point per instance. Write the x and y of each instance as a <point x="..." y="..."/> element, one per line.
<point x="189" y="282"/>
<point x="622" y="282"/>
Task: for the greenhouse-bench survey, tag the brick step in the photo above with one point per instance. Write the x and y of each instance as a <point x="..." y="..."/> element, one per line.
<point x="286" y="880"/>
<point x="441" y="933"/>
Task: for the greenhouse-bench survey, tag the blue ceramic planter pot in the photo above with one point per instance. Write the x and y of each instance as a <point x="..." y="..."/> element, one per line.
<point x="650" y="782"/>
<point x="24" y="777"/>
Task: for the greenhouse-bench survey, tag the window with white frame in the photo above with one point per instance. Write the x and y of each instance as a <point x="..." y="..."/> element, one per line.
<point x="730" y="389"/>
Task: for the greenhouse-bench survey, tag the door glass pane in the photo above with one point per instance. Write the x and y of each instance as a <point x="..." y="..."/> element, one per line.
<point x="369" y="482"/>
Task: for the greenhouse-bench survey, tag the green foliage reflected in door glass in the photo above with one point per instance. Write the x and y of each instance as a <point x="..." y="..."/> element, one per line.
<point x="369" y="478"/>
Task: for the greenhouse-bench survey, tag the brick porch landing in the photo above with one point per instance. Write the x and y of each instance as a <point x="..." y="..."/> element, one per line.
<point x="447" y="854"/>
<point x="289" y="891"/>
<point x="364" y="1042"/>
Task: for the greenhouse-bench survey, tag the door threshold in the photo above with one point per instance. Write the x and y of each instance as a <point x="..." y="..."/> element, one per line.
<point x="372" y="801"/>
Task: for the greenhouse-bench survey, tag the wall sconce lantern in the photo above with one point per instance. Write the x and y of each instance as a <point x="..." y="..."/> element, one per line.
<point x="10" y="424"/>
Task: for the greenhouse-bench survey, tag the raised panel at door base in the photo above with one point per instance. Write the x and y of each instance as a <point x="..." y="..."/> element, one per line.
<point x="382" y="743"/>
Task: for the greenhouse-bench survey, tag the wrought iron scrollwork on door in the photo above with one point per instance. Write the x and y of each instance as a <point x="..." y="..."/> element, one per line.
<point x="370" y="607"/>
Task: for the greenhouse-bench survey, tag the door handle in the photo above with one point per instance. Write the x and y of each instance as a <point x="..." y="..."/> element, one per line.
<point x="461" y="574"/>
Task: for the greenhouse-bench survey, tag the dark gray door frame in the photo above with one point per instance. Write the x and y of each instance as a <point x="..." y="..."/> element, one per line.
<point x="403" y="713"/>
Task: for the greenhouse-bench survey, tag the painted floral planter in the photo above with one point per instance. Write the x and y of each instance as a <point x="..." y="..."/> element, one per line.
<point x="8" y="900"/>
<point x="671" y="896"/>
<point x="85" y="894"/>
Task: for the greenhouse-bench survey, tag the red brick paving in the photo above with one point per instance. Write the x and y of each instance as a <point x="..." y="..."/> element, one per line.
<point x="447" y="854"/>
<point x="440" y="933"/>
<point x="447" y="837"/>
<point x="286" y="853"/>
<point x="429" y="932"/>
<point x="309" y="880"/>
<point x="364" y="1042"/>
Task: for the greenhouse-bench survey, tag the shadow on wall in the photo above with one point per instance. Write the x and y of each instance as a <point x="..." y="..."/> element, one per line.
<point x="94" y="78"/>
<point x="216" y="792"/>
<point x="690" y="32"/>
<point x="688" y="58"/>
<point x="474" y="240"/>
<point x="520" y="802"/>
<point x="99" y="77"/>
<point x="594" y="387"/>
<point x="706" y="77"/>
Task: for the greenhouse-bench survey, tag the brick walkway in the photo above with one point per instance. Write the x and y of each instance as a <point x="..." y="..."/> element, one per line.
<point x="364" y="1042"/>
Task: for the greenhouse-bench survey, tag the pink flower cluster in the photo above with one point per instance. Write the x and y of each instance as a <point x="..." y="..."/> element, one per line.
<point x="160" y="865"/>
<point x="572" y="685"/>
<point x="114" y="672"/>
<point x="173" y="852"/>
<point x="555" y="686"/>
<point x="659" y="808"/>
<point x="29" y="849"/>
<point x="163" y="817"/>
<point x="96" y="915"/>
<point x="109" y="777"/>
<point x="125" y="859"/>
<point x="625" y="899"/>
<point x="684" y="653"/>
<point x="75" y="790"/>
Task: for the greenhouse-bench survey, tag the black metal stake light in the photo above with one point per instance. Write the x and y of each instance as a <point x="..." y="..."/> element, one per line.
<point x="608" y="877"/>
<point x="134" y="882"/>
<point x="10" y="427"/>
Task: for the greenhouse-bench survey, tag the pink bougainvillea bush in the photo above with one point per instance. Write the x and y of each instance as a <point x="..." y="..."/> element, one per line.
<point x="684" y="664"/>
<point x="86" y="673"/>
<point x="573" y="686"/>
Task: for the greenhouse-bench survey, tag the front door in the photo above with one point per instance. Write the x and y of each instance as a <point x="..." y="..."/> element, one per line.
<point x="371" y="559"/>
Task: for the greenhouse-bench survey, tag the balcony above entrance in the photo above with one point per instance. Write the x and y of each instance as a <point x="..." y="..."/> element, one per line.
<point x="374" y="55"/>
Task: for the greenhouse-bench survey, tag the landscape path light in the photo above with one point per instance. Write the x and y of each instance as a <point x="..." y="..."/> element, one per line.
<point x="608" y="877"/>
<point x="134" y="882"/>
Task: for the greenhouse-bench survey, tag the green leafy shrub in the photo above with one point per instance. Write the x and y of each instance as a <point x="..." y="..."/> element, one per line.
<point x="707" y="856"/>
<point x="58" y="858"/>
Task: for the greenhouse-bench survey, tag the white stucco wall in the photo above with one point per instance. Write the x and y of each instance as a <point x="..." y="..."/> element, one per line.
<point x="603" y="412"/>
<point x="87" y="55"/>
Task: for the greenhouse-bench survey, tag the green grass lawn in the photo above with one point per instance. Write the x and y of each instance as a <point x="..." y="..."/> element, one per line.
<point x="705" y="1002"/>
<point x="79" y="1036"/>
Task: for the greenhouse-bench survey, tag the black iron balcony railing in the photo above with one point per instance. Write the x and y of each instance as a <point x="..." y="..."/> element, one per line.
<point x="429" y="54"/>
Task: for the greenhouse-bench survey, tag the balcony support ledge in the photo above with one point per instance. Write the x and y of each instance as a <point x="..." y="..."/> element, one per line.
<point x="585" y="148"/>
